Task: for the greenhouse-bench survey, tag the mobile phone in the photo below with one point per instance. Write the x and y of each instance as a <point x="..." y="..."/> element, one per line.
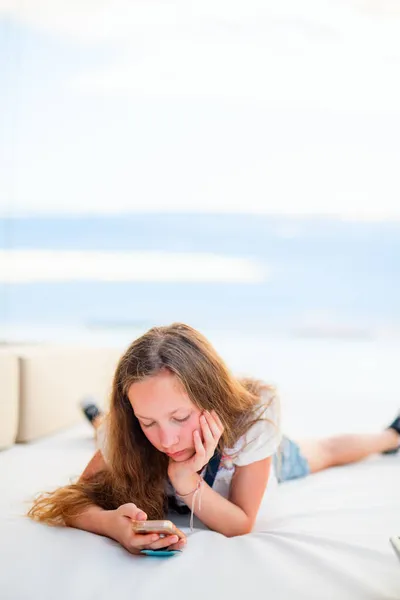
<point x="161" y="553"/>
<point x="161" y="527"/>
<point x="395" y="540"/>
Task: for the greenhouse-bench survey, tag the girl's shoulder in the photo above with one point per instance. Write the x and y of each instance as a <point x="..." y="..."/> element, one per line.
<point x="264" y="435"/>
<point x="269" y="408"/>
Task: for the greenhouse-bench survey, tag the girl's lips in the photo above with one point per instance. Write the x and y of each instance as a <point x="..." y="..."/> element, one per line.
<point x="176" y="454"/>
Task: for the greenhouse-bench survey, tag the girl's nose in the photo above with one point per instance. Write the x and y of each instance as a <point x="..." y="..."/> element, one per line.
<point x="169" y="438"/>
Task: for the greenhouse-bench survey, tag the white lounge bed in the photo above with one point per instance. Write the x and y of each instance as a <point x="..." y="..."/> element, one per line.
<point x="326" y="538"/>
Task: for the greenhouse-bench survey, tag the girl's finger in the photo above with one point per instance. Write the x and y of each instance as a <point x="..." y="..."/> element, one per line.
<point x="218" y="421"/>
<point x="213" y="425"/>
<point x="142" y="540"/>
<point x="207" y="433"/>
<point x="163" y="542"/>
<point x="200" y="450"/>
<point x="209" y="440"/>
<point x="179" y="546"/>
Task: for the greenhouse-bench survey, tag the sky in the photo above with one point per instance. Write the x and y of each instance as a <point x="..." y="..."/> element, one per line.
<point x="222" y="106"/>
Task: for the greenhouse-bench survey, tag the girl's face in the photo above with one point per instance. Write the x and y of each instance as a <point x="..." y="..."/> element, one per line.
<point x="166" y="414"/>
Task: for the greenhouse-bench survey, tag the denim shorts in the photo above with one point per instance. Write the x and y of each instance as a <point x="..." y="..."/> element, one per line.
<point x="289" y="462"/>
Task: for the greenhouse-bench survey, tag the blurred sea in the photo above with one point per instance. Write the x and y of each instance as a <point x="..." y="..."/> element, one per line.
<point x="325" y="277"/>
<point x="323" y="325"/>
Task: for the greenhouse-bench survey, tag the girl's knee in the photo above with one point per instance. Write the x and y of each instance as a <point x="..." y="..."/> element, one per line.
<point x="320" y="454"/>
<point x="330" y="450"/>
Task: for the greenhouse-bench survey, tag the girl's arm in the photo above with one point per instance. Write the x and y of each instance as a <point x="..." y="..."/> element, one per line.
<point x="117" y="524"/>
<point x="96" y="464"/>
<point x="93" y="518"/>
<point x="237" y="515"/>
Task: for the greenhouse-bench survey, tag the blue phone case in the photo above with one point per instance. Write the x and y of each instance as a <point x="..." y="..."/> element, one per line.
<point x="160" y="553"/>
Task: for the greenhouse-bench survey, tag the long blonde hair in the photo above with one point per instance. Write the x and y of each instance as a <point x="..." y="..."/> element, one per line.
<point x="136" y="470"/>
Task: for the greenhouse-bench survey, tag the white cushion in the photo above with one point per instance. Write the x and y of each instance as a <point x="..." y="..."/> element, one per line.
<point x="9" y="385"/>
<point x="53" y="381"/>
<point x="326" y="538"/>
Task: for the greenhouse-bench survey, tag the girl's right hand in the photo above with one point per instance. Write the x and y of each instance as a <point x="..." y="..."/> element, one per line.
<point x="121" y="530"/>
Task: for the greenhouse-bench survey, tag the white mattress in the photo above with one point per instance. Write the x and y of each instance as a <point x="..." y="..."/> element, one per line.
<point x="326" y="538"/>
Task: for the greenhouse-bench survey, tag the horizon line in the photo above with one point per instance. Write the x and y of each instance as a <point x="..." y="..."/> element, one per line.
<point x="296" y="216"/>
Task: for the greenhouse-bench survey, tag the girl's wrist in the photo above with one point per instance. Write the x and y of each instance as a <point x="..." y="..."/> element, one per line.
<point x="108" y="521"/>
<point x="187" y="486"/>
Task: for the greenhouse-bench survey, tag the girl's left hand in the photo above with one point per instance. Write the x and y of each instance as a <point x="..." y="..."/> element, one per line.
<point x="183" y="474"/>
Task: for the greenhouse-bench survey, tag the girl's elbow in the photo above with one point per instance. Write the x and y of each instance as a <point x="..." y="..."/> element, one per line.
<point x="241" y="529"/>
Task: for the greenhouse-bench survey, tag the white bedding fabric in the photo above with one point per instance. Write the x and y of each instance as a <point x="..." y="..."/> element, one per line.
<point x="326" y="538"/>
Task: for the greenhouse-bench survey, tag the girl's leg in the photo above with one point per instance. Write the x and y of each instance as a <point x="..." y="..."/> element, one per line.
<point x="344" y="449"/>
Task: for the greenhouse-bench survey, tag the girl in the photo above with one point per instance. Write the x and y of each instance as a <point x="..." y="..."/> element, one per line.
<point x="174" y="408"/>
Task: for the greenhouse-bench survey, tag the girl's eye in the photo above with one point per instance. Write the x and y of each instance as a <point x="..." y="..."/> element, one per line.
<point x="182" y="420"/>
<point x="148" y="425"/>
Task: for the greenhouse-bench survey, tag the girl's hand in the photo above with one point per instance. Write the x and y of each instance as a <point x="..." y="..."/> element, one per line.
<point x="121" y="530"/>
<point x="183" y="475"/>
